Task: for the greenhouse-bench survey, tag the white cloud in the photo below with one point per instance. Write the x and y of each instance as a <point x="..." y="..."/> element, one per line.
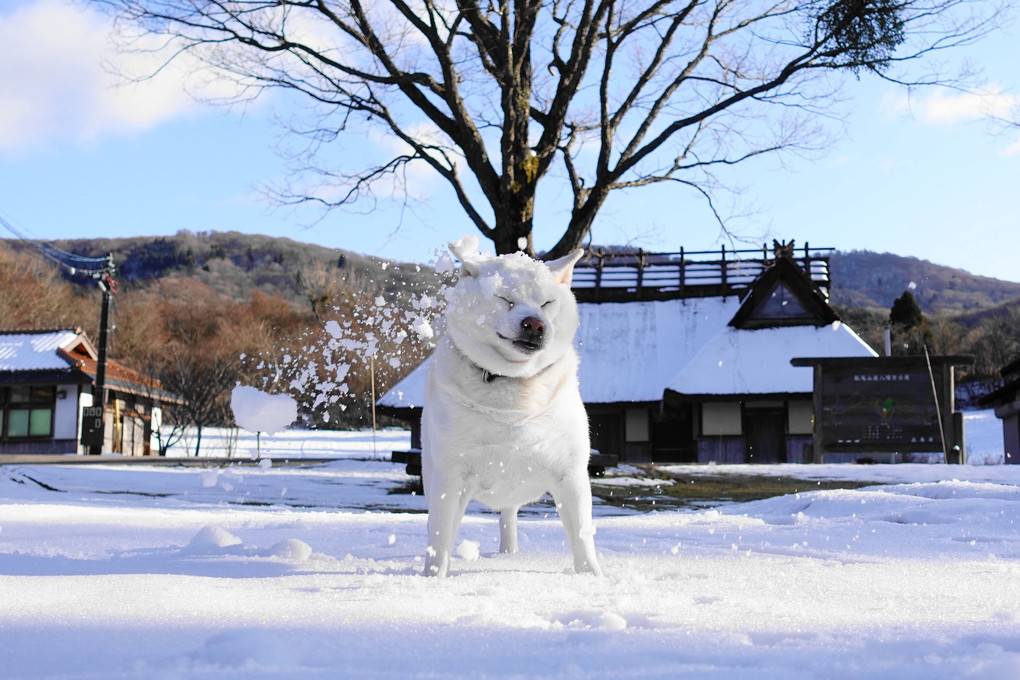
<point x="57" y="85"/>
<point x="1013" y="149"/>
<point x="943" y="107"/>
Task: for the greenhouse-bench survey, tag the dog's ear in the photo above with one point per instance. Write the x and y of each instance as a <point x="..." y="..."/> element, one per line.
<point x="563" y="268"/>
<point x="466" y="250"/>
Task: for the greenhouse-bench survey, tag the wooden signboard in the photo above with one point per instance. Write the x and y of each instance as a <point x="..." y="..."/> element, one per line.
<point x="875" y="408"/>
<point x="884" y="404"/>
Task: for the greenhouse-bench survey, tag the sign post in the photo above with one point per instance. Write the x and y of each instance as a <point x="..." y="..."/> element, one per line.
<point x="886" y="405"/>
<point x="92" y="427"/>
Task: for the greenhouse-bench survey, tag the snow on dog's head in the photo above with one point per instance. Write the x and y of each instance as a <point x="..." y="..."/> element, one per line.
<point x="511" y="315"/>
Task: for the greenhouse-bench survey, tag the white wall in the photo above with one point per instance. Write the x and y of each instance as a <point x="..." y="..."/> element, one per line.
<point x="84" y="399"/>
<point x="155" y="423"/>
<point x="66" y="412"/>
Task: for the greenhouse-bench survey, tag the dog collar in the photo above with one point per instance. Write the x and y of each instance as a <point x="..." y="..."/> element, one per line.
<point x="489" y="377"/>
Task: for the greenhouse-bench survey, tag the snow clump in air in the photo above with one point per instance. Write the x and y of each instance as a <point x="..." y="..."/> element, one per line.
<point x="257" y="411"/>
<point x="469" y="550"/>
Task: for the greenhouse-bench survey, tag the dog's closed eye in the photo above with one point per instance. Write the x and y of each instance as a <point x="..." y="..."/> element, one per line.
<point x="510" y="303"/>
<point x="546" y="304"/>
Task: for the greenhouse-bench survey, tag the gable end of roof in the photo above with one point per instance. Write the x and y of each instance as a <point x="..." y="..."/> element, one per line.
<point x="784" y="276"/>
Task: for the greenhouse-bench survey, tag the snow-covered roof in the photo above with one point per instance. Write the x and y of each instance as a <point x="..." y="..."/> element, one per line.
<point x="409" y="392"/>
<point x="627" y="349"/>
<point x="35" y="351"/>
<point x="633" y="351"/>
<point x="630" y="349"/>
<point x="738" y="361"/>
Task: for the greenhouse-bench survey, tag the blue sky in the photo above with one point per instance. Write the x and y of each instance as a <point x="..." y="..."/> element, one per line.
<point x="927" y="177"/>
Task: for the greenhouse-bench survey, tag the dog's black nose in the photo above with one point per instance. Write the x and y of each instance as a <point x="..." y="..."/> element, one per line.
<point x="532" y="329"/>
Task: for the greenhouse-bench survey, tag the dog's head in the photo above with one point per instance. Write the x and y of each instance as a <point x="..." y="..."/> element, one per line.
<point x="511" y="315"/>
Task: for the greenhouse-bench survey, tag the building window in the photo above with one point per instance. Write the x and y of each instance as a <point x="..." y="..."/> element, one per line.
<point x="781" y="303"/>
<point x="721" y="418"/>
<point x="26" y="412"/>
<point x="636" y="425"/>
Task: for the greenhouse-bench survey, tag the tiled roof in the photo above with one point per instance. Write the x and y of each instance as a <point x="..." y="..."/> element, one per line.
<point x="35" y="350"/>
<point x="125" y="375"/>
<point x="70" y="351"/>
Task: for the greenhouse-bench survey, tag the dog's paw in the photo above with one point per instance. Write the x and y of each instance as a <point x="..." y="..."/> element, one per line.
<point x="589" y="568"/>
<point x="435" y="565"/>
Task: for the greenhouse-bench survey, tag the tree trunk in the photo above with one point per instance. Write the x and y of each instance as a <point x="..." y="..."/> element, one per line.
<point x="520" y="165"/>
<point x="512" y="235"/>
<point x="581" y="220"/>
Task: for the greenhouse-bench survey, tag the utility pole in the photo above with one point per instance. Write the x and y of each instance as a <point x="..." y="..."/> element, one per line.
<point x="108" y="286"/>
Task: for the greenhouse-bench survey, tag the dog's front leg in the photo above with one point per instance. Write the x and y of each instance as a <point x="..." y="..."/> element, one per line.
<point x="508" y="530"/>
<point x="573" y="502"/>
<point x="447" y="502"/>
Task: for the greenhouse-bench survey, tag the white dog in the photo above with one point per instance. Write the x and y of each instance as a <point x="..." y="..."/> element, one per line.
<point x="503" y="421"/>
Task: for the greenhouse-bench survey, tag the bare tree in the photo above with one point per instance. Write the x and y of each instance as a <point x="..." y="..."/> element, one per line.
<point x="948" y="337"/>
<point x="497" y="97"/>
<point x="996" y="342"/>
<point x="32" y="294"/>
<point x="204" y="388"/>
<point x="172" y="423"/>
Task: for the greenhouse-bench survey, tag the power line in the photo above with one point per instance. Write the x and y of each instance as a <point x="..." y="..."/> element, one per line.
<point x="96" y="267"/>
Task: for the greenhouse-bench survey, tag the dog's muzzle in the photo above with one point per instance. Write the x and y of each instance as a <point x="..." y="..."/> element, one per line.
<point x="531" y="336"/>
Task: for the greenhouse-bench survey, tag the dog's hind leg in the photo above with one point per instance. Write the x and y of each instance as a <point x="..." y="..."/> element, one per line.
<point x="508" y="530"/>
<point x="573" y="502"/>
<point x="446" y="510"/>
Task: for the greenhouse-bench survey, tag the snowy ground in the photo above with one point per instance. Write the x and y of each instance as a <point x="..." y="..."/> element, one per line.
<point x="306" y="572"/>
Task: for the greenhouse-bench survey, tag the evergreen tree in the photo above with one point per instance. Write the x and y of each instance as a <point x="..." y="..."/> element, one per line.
<point x="906" y="312"/>
<point x="910" y="332"/>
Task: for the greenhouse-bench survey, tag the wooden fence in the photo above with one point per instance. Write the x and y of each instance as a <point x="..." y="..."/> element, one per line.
<point x="606" y="275"/>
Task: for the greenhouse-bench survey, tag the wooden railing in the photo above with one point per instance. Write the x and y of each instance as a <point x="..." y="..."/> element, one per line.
<point x="605" y="275"/>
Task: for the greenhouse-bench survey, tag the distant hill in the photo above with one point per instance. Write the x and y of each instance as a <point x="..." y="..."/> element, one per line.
<point x="234" y="264"/>
<point x="864" y="279"/>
